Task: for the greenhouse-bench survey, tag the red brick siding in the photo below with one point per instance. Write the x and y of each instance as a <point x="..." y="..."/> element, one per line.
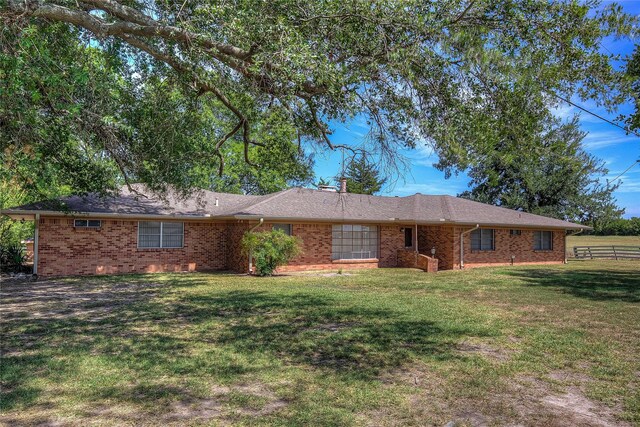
<point x="65" y="250"/>
<point x="440" y="237"/>
<point x="236" y="260"/>
<point x="316" y="250"/>
<point x="391" y="239"/>
<point x="316" y="245"/>
<point x="410" y="259"/>
<point x="446" y="240"/>
<point x="520" y="246"/>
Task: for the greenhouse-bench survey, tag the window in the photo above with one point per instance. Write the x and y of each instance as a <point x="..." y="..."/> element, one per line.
<point x="408" y="237"/>
<point x="515" y="232"/>
<point x="286" y="228"/>
<point x="482" y="239"/>
<point x="87" y="223"/>
<point x="354" y="241"/>
<point x="543" y="240"/>
<point x="156" y="234"/>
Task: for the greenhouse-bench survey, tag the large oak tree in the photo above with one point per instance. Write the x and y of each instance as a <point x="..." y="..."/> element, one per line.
<point x="105" y="90"/>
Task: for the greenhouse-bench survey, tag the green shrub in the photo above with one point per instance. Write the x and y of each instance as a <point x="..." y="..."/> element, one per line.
<point x="270" y="249"/>
<point x="12" y="257"/>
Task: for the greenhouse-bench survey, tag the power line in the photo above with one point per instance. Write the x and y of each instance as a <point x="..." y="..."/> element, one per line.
<point x="596" y="115"/>
<point x="625" y="171"/>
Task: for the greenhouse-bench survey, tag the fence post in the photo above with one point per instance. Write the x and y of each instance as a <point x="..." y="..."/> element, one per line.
<point x="615" y="255"/>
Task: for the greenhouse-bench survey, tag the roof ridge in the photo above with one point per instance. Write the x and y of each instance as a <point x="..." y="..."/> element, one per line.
<point x="446" y="207"/>
<point x="269" y="197"/>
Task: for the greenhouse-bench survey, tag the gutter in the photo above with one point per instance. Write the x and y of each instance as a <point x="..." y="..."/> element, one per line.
<point x="462" y="244"/>
<point x="19" y="214"/>
<point x="36" y="241"/>
<point x="260" y="222"/>
<point x="565" y="242"/>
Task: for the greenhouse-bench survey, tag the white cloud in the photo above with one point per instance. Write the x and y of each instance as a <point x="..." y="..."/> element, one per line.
<point x="629" y="185"/>
<point x="422" y="155"/>
<point x="602" y="139"/>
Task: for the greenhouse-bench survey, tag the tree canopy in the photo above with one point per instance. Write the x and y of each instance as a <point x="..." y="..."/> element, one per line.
<point x="551" y="176"/>
<point x="633" y="71"/>
<point x="101" y="91"/>
<point x="362" y="176"/>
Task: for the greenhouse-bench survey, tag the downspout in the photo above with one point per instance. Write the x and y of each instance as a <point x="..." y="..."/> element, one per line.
<point x="565" y="242"/>
<point x="250" y="255"/>
<point x="36" y="241"/>
<point x="416" y="245"/>
<point x="462" y="244"/>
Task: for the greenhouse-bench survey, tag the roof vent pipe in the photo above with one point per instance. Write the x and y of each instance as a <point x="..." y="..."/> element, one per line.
<point x="216" y="201"/>
<point x="343" y="185"/>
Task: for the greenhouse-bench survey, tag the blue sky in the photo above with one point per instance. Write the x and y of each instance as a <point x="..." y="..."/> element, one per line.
<point x="605" y="141"/>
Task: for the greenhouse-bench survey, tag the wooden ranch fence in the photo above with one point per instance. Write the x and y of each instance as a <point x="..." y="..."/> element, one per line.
<point x="609" y="252"/>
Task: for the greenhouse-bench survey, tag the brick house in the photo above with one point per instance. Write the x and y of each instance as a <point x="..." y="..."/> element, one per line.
<point x="136" y="232"/>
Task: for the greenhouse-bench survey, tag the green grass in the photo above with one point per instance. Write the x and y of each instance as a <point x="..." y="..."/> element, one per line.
<point x="527" y="345"/>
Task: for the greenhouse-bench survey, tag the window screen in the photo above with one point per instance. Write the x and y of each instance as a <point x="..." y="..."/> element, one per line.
<point x="483" y="239"/>
<point x="87" y="223"/>
<point x="543" y="240"/>
<point x="156" y="234"/>
<point x="350" y="241"/>
<point x="286" y="228"/>
<point x="172" y="233"/>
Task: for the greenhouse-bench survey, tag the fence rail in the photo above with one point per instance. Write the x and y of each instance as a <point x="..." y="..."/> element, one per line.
<point x="609" y="252"/>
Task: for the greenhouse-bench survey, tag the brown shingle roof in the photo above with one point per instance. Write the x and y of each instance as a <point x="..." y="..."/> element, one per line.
<point x="299" y="204"/>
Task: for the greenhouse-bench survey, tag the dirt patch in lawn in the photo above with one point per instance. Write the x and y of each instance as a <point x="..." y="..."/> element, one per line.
<point x="333" y="326"/>
<point x="227" y="402"/>
<point x="526" y="401"/>
<point x="482" y="349"/>
<point x="44" y="303"/>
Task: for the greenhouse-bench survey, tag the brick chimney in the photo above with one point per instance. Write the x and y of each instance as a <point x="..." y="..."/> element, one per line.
<point x="343" y="185"/>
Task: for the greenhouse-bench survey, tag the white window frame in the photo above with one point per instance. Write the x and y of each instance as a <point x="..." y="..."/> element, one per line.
<point x="86" y="221"/>
<point x="483" y="231"/>
<point x="162" y="246"/>
<point x="538" y="240"/>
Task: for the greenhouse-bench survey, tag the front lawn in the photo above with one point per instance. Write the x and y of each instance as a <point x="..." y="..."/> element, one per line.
<point x="556" y="345"/>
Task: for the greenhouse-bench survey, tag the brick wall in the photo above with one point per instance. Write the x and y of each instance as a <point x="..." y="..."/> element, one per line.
<point x="391" y="239"/>
<point x="316" y="244"/>
<point x="316" y="251"/>
<point x="442" y="238"/>
<point x="235" y="259"/>
<point x="520" y="246"/>
<point x="446" y="240"/>
<point x="408" y="258"/>
<point x="65" y="250"/>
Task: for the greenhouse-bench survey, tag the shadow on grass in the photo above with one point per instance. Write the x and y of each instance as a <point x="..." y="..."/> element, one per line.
<point x="133" y="333"/>
<point x="599" y="285"/>
<point x="305" y="329"/>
